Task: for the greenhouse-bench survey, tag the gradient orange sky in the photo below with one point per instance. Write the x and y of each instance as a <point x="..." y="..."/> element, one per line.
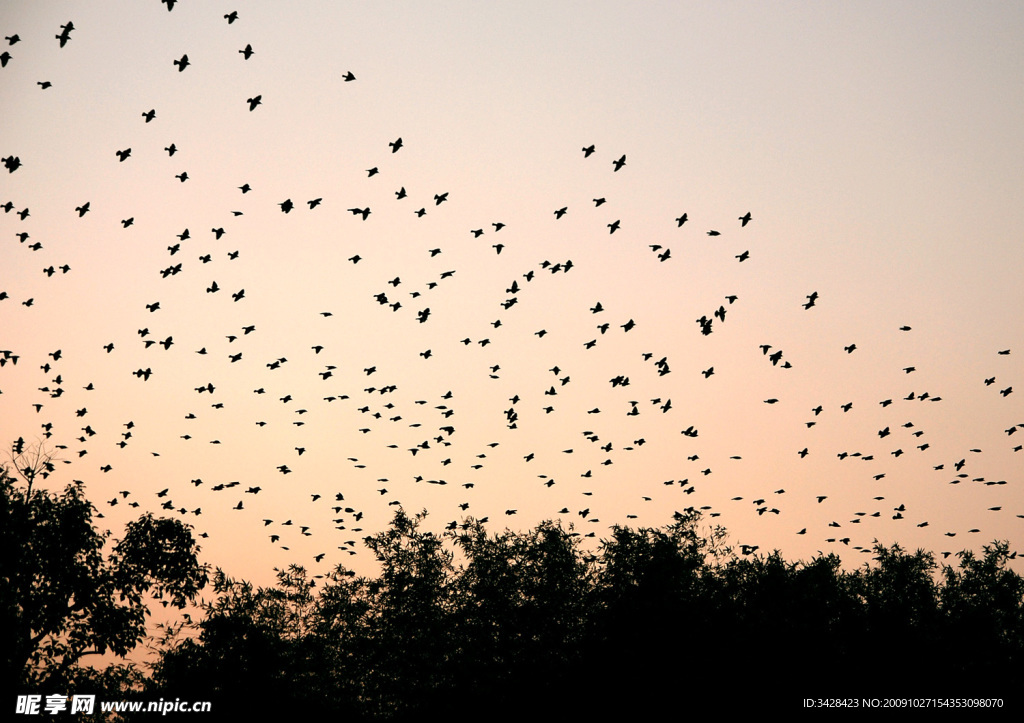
<point x="878" y="149"/>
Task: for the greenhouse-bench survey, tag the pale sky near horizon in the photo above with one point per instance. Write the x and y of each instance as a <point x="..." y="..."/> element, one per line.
<point x="877" y="147"/>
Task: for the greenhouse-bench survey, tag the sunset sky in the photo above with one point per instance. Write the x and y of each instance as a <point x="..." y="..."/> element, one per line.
<point x="877" y="147"/>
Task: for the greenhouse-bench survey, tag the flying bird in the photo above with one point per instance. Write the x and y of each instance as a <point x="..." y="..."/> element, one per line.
<point x="65" y="34"/>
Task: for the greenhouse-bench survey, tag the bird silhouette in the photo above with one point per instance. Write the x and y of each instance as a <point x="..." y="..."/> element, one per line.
<point x="65" y="34"/>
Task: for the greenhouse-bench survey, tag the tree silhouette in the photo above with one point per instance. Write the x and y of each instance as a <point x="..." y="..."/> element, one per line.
<point x="521" y="622"/>
<point x="984" y="603"/>
<point x="523" y="601"/>
<point x="256" y="650"/>
<point x="411" y="601"/>
<point x="64" y="594"/>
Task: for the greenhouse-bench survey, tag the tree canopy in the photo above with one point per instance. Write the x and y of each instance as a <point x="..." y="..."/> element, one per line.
<point x="513" y="621"/>
<point x="528" y="621"/>
<point x="68" y="591"/>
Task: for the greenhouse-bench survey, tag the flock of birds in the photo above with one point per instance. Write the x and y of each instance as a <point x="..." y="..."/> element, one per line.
<point x="424" y="427"/>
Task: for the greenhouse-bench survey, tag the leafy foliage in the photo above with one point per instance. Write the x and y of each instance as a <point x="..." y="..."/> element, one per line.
<point x="467" y="620"/>
<point x="63" y="595"/>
